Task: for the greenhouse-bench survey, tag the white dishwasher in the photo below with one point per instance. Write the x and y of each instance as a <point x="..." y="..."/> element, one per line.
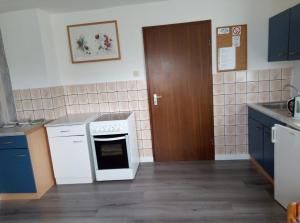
<point x="70" y="149"/>
<point x="286" y="165"/>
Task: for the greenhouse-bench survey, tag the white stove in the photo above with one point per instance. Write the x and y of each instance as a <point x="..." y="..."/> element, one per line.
<point x="114" y="145"/>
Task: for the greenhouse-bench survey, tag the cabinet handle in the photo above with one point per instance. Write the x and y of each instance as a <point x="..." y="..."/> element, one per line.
<point x="20" y="155"/>
<point x="282" y="54"/>
<point x="5" y="143"/>
<point x="63" y="131"/>
<point x="79" y="141"/>
<point x="294" y="53"/>
<point x="273" y="134"/>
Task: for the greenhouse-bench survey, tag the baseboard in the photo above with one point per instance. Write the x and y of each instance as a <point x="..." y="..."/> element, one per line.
<point x="232" y="157"/>
<point x="148" y="159"/>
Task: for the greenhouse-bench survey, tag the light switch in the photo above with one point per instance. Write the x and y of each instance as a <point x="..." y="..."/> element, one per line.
<point x="136" y="73"/>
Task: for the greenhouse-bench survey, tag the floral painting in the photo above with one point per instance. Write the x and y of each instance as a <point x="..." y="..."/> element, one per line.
<point x="94" y="42"/>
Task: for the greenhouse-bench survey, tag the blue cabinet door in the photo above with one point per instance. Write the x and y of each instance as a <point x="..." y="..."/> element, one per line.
<point x="279" y="36"/>
<point x="16" y="175"/>
<point x="256" y="141"/>
<point x="268" y="152"/>
<point x="294" y="43"/>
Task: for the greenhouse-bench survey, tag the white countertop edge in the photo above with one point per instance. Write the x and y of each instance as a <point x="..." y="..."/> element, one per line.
<point x="285" y="119"/>
<point x="82" y="119"/>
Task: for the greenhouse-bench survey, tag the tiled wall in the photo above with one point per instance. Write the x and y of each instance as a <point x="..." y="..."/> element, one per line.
<point x="55" y="102"/>
<point x="232" y="90"/>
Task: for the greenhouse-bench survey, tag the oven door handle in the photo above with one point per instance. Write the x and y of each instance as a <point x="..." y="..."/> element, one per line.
<point x="109" y="139"/>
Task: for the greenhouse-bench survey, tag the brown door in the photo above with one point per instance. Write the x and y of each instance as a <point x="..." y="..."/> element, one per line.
<point x="178" y="61"/>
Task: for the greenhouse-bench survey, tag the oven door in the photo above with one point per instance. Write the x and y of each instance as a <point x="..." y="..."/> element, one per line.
<point x="111" y="151"/>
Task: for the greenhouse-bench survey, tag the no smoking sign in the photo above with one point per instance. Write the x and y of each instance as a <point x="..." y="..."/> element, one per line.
<point x="237" y="30"/>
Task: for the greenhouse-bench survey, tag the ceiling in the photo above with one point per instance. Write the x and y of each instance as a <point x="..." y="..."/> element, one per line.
<point x="60" y="6"/>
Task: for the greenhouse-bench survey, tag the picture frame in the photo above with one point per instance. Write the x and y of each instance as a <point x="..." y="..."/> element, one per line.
<point x="93" y="42"/>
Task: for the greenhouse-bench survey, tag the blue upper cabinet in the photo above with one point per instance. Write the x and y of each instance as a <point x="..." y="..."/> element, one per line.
<point x="284" y="34"/>
<point x="279" y="36"/>
<point x="294" y="43"/>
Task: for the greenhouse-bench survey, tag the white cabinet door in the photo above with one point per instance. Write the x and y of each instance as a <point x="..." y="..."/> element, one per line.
<point x="70" y="157"/>
<point x="287" y="165"/>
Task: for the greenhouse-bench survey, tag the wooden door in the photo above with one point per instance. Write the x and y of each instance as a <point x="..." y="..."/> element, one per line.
<point x="178" y="61"/>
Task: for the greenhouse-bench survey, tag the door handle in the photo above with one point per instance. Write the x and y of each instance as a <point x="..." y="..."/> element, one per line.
<point x="155" y="99"/>
<point x="273" y="134"/>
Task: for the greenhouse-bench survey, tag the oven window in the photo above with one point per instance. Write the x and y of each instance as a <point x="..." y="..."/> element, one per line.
<point x="111" y="153"/>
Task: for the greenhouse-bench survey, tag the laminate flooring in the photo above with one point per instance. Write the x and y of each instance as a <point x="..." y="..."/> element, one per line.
<point x="204" y="191"/>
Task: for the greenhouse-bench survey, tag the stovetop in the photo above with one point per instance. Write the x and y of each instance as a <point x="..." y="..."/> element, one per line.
<point x="113" y="116"/>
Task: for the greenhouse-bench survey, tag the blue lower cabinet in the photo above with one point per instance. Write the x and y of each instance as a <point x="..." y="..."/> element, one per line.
<point x="261" y="147"/>
<point x="16" y="174"/>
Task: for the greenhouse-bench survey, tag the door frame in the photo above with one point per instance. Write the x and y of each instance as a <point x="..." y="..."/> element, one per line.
<point x="148" y="83"/>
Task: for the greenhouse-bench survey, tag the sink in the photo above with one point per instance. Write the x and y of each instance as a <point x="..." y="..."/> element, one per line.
<point x="275" y="105"/>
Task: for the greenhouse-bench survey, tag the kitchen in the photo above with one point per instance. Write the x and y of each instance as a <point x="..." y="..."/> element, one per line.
<point x="47" y="85"/>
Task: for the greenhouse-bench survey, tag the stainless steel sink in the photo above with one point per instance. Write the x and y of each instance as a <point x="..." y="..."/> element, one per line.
<point x="275" y="105"/>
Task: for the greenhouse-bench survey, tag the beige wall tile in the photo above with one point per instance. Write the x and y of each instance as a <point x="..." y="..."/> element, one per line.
<point x="121" y="85"/>
<point x="230" y="110"/>
<point x="275" y="85"/>
<point x="93" y="99"/>
<point x="229" y="140"/>
<point x="218" y="89"/>
<point x="230" y="149"/>
<point x="124" y="106"/>
<point x="219" y="110"/>
<point x="73" y="99"/>
<point x="111" y="86"/>
<point x="112" y="97"/>
<point x="101" y="88"/>
<point x="46" y="93"/>
<point x="84" y="108"/>
<point x="219" y="120"/>
<point x="113" y="107"/>
<point x="219" y="100"/>
<point x="103" y="97"/>
<point x="17" y="95"/>
<point x="286" y="95"/>
<point x="287" y="73"/>
<point x="133" y="106"/>
<point x="241" y="109"/>
<point x="25" y="94"/>
<point x="131" y="85"/>
<point x="147" y="152"/>
<point x="241" y="119"/>
<point x="133" y="95"/>
<point x="143" y="95"/>
<point x="230" y="99"/>
<point x="147" y="143"/>
<point x="264" y="75"/>
<point x="264" y="86"/>
<point x="104" y="107"/>
<point x="252" y="87"/>
<point x="220" y="150"/>
<point x="49" y="114"/>
<point x="241" y="139"/>
<point x="145" y="125"/>
<point x="122" y="96"/>
<point x="241" y="88"/>
<point x="240" y="99"/>
<point x="252" y="98"/>
<point x="94" y="107"/>
<point x="28" y="115"/>
<point x="275" y="74"/>
<point x="141" y="85"/>
<point x="229" y="88"/>
<point x="241" y="76"/>
<point x="264" y="97"/>
<point x="220" y="140"/>
<point x="241" y="130"/>
<point x="219" y="130"/>
<point x="83" y="99"/>
<point x="91" y="88"/>
<point x="242" y="149"/>
<point x="252" y="76"/>
<point x="230" y="120"/>
<point x="37" y="104"/>
<point x="230" y="130"/>
<point x="275" y="96"/>
<point x="27" y="105"/>
<point x="218" y="78"/>
<point x="229" y="77"/>
<point x="143" y="105"/>
<point x="19" y="106"/>
<point x="35" y="93"/>
<point x="144" y="115"/>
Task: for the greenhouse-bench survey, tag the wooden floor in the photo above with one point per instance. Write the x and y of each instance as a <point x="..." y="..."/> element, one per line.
<point x="224" y="191"/>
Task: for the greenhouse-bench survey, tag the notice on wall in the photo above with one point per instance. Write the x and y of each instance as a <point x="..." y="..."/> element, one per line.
<point x="223" y="30"/>
<point x="236" y="41"/>
<point x="227" y="58"/>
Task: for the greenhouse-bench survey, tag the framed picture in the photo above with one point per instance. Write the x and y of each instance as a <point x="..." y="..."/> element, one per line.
<point x="91" y="42"/>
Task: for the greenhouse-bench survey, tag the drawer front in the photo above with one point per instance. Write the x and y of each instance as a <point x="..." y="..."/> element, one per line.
<point x="61" y="131"/>
<point x="262" y="118"/>
<point x="13" y="142"/>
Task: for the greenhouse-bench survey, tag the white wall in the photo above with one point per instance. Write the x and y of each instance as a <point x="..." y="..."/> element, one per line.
<point x="29" y="48"/>
<point x="38" y="52"/>
<point x="131" y="19"/>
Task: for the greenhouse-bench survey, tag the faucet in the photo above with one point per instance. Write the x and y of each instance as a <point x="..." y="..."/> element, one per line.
<point x="293" y="87"/>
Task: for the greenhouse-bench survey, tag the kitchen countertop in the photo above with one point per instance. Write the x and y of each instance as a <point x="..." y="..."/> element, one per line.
<point x="280" y="115"/>
<point x="74" y="119"/>
<point x="17" y="131"/>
